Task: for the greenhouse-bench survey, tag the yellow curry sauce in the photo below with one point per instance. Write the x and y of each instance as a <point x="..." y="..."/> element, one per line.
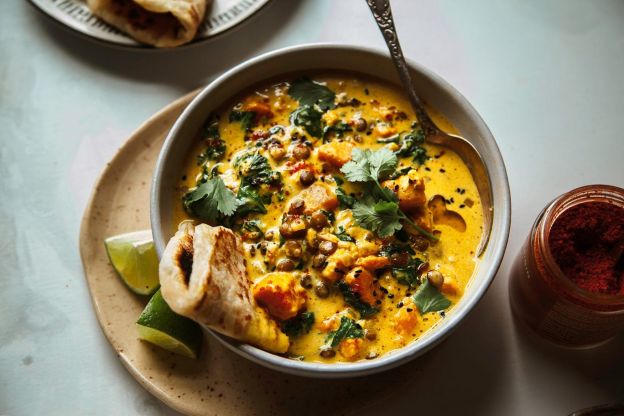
<point x="368" y="114"/>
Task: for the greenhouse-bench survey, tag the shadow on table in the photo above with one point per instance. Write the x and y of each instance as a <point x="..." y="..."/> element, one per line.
<point x="462" y="375"/>
<point x="185" y="67"/>
<point x="602" y="367"/>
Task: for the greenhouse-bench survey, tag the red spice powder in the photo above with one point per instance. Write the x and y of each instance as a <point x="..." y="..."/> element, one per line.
<point x="585" y="242"/>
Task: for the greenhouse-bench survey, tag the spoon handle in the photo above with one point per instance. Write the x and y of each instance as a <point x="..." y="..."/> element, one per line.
<point x="383" y="16"/>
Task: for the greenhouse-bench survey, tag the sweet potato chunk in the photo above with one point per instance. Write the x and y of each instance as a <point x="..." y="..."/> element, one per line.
<point x="449" y="286"/>
<point x="261" y="109"/>
<point x="407" y="319"/>
<point x="280" y="294"/>
<point x="335" y="153"/>
<point x="338" y="264"/>
<point x="410" y="189"/>
<point x="350" y="348"/>
<point x="373" y="262"/>
<point x="318" y="196"/>
<point x="362" y="282"/>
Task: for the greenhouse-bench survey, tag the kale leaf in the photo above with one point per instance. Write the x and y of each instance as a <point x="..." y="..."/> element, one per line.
<point x="348" y="329"/>
<point x="246" y="118"/>
<point x="412" y="146"/>
<point x="255" y="170"/>
<point x="338" y="129"/>
<point x="215" y="147"/>
<point x="309" y="118"/>
<point x="346" y="200"/>
<point x="251" y="201"/>
<point x="298" y="325"/>
<point x="353" y="299"/>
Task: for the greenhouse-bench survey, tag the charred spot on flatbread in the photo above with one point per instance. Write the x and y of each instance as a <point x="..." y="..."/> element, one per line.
<point x="184" y="257"/>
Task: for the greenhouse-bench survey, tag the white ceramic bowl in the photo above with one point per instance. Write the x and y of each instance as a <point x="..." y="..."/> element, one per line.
<point x="306" y="58"/>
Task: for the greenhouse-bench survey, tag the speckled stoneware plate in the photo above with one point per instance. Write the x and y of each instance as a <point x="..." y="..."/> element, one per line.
<point x="219" y="382"/>
<point x="221" y="16"/>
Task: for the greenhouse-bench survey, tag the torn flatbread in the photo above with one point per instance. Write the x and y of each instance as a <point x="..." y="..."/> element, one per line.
<point x="203" y="277"/>
<point x="160" y="23"/>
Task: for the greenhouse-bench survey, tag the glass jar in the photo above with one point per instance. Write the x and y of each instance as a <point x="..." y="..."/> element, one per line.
<point x="547" y="301"/>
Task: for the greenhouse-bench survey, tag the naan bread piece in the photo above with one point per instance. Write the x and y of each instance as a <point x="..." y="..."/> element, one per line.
<point x="161" y="23"/>
<point x="203" y="277"/>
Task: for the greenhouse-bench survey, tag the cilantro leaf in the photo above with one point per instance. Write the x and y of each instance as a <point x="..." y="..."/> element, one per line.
<point x="381" y="217"/>
<point x="309" y="118"/>
<point x="369" y="166"/>
<point x="353" y="299"/>
<point x="348" y="329"/>
<point x="298" y="325"/>
<point x="246" y="118"/>
<point x="211" y="201"/>
<point x="309" y="93"/>
<point x="380" y="211"/>
<point x="429" y="299"/>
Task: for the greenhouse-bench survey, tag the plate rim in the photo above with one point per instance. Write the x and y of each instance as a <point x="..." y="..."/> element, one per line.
<point x="83" y="236"/>
<point x="141" y="47"/>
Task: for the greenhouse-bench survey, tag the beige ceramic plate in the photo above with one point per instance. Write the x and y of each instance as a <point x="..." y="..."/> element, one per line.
<point x="220" y="382"/>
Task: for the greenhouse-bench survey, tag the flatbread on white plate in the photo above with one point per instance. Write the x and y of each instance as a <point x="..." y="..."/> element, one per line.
<point x="160" y="23"/>
<point x="203" y="277"/>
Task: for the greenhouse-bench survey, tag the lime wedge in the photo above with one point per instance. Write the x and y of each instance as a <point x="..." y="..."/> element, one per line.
<point x="159" y="325"/>
<point x="134" y="258"/>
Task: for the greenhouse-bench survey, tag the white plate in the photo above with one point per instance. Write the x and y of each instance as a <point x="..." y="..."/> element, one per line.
<point x="221" y="15"/>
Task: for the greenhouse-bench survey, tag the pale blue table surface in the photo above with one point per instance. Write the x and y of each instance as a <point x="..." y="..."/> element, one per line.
<point x="546" y="75"/>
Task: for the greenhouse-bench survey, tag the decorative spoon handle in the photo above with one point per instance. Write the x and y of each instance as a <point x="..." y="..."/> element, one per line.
<point x="383" y="16"/>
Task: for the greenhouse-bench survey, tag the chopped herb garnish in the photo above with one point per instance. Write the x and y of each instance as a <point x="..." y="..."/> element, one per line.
<point x="343" y="236"/>
<point x="299" y="325"/>
<point x="429" y="299"/>
<point x="253" y="226"/>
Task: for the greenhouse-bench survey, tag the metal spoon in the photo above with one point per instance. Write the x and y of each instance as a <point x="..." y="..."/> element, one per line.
<point x="433" y="134"/>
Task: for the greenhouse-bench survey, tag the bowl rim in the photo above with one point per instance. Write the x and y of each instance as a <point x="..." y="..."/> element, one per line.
<point x="432" y="338"/>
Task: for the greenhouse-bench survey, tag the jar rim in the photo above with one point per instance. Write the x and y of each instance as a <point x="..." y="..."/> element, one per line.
<point x="584" y="194"/>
